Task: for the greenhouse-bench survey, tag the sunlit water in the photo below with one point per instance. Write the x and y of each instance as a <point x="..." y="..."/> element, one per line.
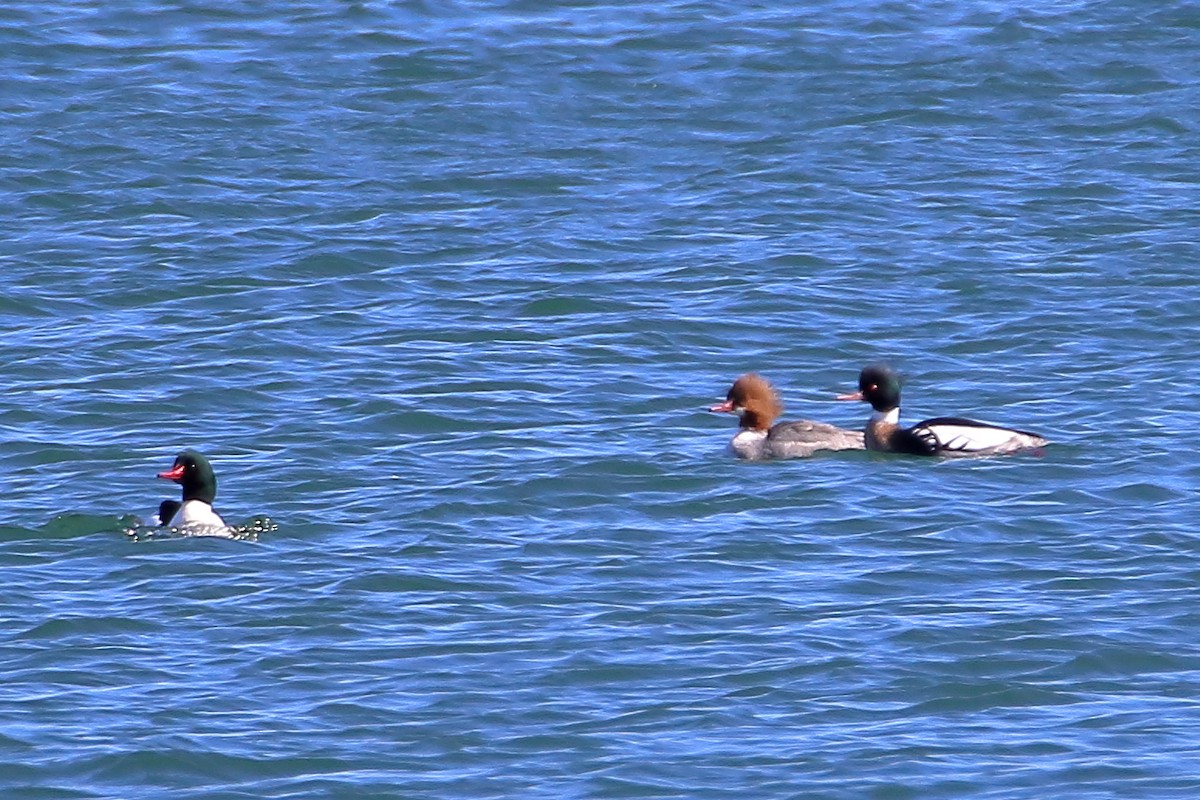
<point x="443" y="292"/>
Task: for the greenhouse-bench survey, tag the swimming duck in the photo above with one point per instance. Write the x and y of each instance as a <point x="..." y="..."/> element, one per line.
<point x="757" y="405"/>
<point x="880" y="386"/>
<point x="192" y="471"/>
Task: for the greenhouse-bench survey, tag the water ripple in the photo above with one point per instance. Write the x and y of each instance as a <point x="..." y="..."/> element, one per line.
<point x="443" y="293"/>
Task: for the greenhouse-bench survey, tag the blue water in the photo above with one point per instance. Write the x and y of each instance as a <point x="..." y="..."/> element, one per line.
<point x="443" y="290"/>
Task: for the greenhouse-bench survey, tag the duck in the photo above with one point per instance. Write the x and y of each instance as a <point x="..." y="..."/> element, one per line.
<point x="194" y="513"/>
<point x="941" y="436"/>
<point x="757" y="405"/>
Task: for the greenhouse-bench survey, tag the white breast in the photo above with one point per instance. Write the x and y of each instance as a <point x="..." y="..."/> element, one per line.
<point x="749" y="444"/>
<point x="197" y="518"/>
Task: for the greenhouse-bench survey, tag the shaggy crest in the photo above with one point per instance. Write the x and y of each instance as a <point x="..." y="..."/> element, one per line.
<point x="755" y="399"/>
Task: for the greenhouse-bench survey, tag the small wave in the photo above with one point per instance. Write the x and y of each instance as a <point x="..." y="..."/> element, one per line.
<point x="249" y="531"/>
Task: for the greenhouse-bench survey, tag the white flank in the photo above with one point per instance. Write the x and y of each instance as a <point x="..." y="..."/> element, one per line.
<point x="972" y="439"/>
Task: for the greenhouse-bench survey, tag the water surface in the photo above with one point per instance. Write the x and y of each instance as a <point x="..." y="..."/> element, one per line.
<point x="443" y="292"/>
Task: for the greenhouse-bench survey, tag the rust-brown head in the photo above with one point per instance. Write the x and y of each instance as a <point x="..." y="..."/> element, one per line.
<point x="754" y="400"/>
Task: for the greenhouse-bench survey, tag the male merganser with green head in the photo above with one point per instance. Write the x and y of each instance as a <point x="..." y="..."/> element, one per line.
<point x="942" y="436"/>
<point x="193" y="472"/>
<point x="754" y="400"/>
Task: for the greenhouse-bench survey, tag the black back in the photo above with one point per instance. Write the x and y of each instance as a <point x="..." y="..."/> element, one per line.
<point x="167" y="510"/>
<point x="905" y="440"/>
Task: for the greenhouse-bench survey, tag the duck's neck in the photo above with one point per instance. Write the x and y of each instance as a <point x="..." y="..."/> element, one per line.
<point x="880" y="428"/>
<point x="203" y="492"/>
<point x="754" y="421"/>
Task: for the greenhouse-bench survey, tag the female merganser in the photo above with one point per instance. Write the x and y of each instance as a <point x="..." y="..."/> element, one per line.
<point x="754" y="400"/>
<point x="880" y="387"/>
<point x="193" y="472"/>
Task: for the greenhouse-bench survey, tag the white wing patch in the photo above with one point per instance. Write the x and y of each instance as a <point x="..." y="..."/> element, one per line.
<point x="978" y="438"/>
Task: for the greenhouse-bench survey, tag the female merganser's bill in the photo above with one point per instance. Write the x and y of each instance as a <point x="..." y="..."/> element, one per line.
<point x="943" y="436"/>
<point x="193" y="472"/>
<point x="754" y="400"/>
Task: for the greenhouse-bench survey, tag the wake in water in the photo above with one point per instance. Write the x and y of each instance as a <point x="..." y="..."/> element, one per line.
<point x="249" y="531"/>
